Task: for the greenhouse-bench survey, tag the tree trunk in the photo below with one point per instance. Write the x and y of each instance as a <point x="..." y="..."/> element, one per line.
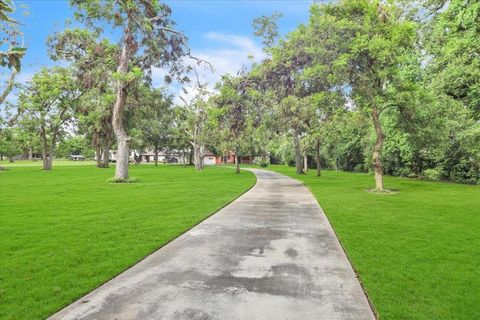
<point x="197" y="157"/>
<point x="1" y="156"/>
<point x="298" y="154"/>
<point x="237" y="163"/>
<point x="156" y="156"/>
<point x="190" y="157"/>
<point x="202" y="155"/>
<point x="106" y="154"/>
<point x="318" y="158"/>
<point x="305" y="163"/>
<point x="121" y="167"/>
<point x="98" y="156"/>
<point x="377" y="149"/>
<point x="30" y="153"/>
<point x="47" y="164"/>
<point x="50" y="156"/>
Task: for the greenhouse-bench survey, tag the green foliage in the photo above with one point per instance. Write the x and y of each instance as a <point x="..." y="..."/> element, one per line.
<point x="11" y="53"/>
<point x="355" y="60"/>
<point x="94" y="62"/>
<point x="261" y="161"/>
<point x="453" y="42"/>
<point x="149" y="38"/>
<point x="465" y="171"/>
<point x="77" y="145"/>
<point x="47" y="105"/>
<point x="12" y="56"/>
<point x="432" y="174"/>
<point x="10" y="143"/>
<point x="153" y="116"/>
<point x="264" y="163"/>
<point x="232" y="112"/>
<point x="267" y="28"/>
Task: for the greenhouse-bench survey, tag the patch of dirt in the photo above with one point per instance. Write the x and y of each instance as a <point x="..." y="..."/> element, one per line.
<point x="384" y="192"/>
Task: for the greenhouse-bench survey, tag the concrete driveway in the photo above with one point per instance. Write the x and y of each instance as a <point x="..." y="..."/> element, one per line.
<point x="271" y="254"/>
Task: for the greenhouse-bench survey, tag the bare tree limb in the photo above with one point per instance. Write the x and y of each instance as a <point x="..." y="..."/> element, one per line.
<point x="9" y="88"/>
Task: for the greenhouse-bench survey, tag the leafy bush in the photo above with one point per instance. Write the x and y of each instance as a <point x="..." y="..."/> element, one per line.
<point x="359" y="168"/>
<point x="118" y="180"/>
<point x="404" y="172"/>
<point x="261" y="161"/>
<point x="432" y="174"/>
<point x="264" y="163"/>
<point x="465" y="172"/>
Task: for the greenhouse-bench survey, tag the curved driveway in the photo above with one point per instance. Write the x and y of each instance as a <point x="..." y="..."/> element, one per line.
<point x="271" y="254"/>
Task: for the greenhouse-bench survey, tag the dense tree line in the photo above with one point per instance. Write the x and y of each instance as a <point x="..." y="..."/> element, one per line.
<point x="388" y="87"/>
<point x="376" y="86"/>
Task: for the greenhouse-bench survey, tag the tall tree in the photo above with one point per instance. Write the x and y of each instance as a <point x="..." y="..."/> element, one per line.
<point x="195" y="113"/>
<point x="10" y="143"/>
<point x="282" y="73"/>
<point x="180" y="137"/>
<point x="48" y="104"/>
<point x="375" y="40"/>
<point x="94" y="62"/>
<point x="452" y="39"/>
<point x="155" y="121"/>
<point x="232" y="102"/>
<point x="148" y="40"/>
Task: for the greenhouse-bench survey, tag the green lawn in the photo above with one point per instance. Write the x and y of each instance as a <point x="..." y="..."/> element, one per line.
<point x="64" y="232"/>
<point x="38" y="163"/>
<point x="417" y="252"/>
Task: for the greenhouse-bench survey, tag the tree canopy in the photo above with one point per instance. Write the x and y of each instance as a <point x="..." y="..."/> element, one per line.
<point x="387" y="87"/>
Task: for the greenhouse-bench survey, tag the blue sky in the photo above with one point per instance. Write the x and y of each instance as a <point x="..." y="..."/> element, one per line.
<point x="219" y="31"/>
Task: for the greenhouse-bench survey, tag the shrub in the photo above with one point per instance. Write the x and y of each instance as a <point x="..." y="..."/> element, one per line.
<point x="264" y="163"/>
<point x="432" y="174"/>
<point x="260" y="161"/>
<point x="359" y="168"/>
<point x="117" y="180"/>
<point x="404" y="172"/>
<point x="465" y="172"/>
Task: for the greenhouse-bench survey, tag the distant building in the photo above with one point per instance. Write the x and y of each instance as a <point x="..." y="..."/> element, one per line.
<point x="209" y="159"/>
<point x="112" y="156"/>
<point x="76" y="157"/>
<point x="173" y="156"/>
<point x="230" y="159"/>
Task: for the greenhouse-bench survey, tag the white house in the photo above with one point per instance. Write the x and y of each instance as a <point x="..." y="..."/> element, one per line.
<point x="172" y="156"/>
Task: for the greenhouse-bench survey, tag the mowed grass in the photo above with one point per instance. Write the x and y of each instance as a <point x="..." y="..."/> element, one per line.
<point x="67" y="231"/>
<point x="38" y="163"/>
<point x="417" y="252"/>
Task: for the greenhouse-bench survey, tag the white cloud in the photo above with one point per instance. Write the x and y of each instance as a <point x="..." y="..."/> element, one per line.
<point x="245" y="45"/>
<point x="231" y="52"/>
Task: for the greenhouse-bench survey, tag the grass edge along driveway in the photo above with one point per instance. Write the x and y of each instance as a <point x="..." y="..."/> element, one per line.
<point x="67" y="231"/>
<point x="417" y="252"/>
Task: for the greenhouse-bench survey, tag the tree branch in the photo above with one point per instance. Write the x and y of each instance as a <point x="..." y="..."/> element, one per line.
<point x="9" y="88"/>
